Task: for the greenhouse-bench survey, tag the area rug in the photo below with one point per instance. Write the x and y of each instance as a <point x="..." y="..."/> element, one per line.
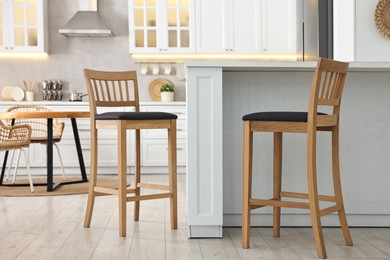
<point x="70" y="189"/>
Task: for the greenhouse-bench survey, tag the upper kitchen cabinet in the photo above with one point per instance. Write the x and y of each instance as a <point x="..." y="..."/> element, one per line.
<point x="253" y="26"/>
<point x="161" y="26"/>
<point x="224" y="26"/>
<point x="23" y="26"/>
<point x="279" y="26"/>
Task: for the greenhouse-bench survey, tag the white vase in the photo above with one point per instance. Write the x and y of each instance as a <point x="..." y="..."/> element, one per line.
<point x="167" y="96"/>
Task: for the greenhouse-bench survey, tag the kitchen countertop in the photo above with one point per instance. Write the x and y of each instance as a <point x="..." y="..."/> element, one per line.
<point x="83" y="103"/>
<point x="228" y="65"/>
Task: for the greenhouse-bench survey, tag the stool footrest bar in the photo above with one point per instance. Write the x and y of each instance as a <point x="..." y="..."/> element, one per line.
<point x="278" y="203"/>
<point x="102" y="191"/>
<point x="105" y="191"/>
<point x="149" y="197"/>
<point x="329" y="210"/>
<point x="297" y="195"/>
<point x="152" y="186"/>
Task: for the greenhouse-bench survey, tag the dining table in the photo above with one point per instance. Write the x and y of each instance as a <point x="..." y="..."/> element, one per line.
<point x="50" y="115"/>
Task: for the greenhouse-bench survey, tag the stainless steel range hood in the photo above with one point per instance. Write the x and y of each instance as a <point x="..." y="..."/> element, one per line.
<point x="86" y="22"/>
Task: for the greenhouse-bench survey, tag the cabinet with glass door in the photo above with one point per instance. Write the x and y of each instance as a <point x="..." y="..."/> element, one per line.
<point x="23" y="26"/>
<point x="161" y="26"/>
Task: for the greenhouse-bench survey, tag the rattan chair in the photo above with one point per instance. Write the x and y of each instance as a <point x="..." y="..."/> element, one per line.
<point x="327" y="88"/>
<point x="39" y="131"/>
<point x="120" y="89"/>
<point x="16" y="138"/>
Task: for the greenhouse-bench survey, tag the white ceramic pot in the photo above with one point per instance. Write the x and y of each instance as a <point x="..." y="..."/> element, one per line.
<point x="167" y="96"/>
<point x="29" y="96"/>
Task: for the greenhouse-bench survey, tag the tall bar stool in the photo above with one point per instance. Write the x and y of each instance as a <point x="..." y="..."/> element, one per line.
<point x="326" y="90"/>
<point x="120" y="89"/>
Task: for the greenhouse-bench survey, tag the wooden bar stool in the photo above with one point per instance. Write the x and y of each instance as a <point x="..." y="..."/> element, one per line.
<point x="120" y="89"/>
<point x="326" y="90"/>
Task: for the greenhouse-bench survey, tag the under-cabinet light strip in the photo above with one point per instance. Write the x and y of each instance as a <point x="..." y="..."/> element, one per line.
<point x="23" y="55"/>
<point x="181" y="57"/>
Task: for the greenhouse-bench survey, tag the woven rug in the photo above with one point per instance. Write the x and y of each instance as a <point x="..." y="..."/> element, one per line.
<point x="77" y="188"/>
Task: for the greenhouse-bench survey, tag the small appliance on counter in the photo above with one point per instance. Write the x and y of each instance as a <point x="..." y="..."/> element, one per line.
<point x="52" y="90"/>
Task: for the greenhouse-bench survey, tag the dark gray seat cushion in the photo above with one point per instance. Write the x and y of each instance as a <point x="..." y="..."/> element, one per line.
<point x="278" y="116"/>
<point x="134" y="116"/>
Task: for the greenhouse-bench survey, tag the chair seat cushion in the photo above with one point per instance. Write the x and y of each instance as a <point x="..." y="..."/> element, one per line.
<point x="134" y="116"/>
<point x="278" y="116"/>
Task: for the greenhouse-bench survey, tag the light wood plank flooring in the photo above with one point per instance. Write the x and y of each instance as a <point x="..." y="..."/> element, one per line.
<point x="52" y="228"/>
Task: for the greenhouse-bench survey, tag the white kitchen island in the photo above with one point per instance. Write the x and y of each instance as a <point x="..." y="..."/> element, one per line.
<point x="219" y="93"/>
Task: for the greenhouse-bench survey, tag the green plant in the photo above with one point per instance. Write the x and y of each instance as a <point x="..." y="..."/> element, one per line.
<point x="167" y="88"/>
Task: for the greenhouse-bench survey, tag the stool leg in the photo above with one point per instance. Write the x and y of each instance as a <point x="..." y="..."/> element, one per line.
<point x="313" y="195"/>
<point x="137" y="172"/>
<point x="172" y="165"/>
<point x="277" y="179"/>
<point x="337" y="186"/>
<point x="246" y="183"/>
<point x="92" y="177"/>
<point x="122" y="177"/>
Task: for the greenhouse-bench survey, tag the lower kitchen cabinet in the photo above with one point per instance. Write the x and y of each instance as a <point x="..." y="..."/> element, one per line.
<point x="154" y="153"/>
<point x="154" y="142"/>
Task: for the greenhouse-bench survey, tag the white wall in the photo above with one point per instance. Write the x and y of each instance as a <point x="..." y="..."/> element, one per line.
<point x="371" y="45"/>
<point x="356" y="37"/>
<point x="68" y="56"/>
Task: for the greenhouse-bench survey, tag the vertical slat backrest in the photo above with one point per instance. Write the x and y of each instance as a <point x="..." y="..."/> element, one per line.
<point x="327" y="86"/>
<point x="112" y="89"/>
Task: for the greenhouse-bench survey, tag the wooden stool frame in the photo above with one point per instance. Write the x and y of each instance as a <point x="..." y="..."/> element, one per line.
<point x="326" y="90"/>
<point x="120" y="89"/>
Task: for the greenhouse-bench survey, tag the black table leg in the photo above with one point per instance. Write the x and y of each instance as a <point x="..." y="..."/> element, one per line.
<point x="4" y="166"/>
<point x="49" y="154"/>
<point x="5" y="160"/>
<point x="79" y="151"/>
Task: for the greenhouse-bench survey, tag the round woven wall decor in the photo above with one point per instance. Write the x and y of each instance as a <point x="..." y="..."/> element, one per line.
<point x="382" y="17"/>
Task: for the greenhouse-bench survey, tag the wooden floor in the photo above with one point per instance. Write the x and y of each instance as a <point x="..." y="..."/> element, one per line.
<point x="51" y="228"/>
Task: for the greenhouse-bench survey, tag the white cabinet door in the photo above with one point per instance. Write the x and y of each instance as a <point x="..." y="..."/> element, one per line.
<point x="155" y="152"/>
<point x="245" y="26"/>
<point x="23" y="26"/>
<point x="225" y="26"/>
<point x="279" y="26"/>
<point x="211" y="26"/>
<point x="154" y="143"/>
<point x="161" y="26"/>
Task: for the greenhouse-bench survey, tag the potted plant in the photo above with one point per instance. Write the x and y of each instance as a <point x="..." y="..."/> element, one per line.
<point x="167" y="92"/>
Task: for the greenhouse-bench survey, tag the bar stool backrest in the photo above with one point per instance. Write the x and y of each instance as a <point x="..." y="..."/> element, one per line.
<point x="112" y="89"/>
<point x="327" y="88"/>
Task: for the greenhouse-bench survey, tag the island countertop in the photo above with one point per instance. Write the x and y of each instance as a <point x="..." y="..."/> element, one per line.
<point x="231" y="65"/>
